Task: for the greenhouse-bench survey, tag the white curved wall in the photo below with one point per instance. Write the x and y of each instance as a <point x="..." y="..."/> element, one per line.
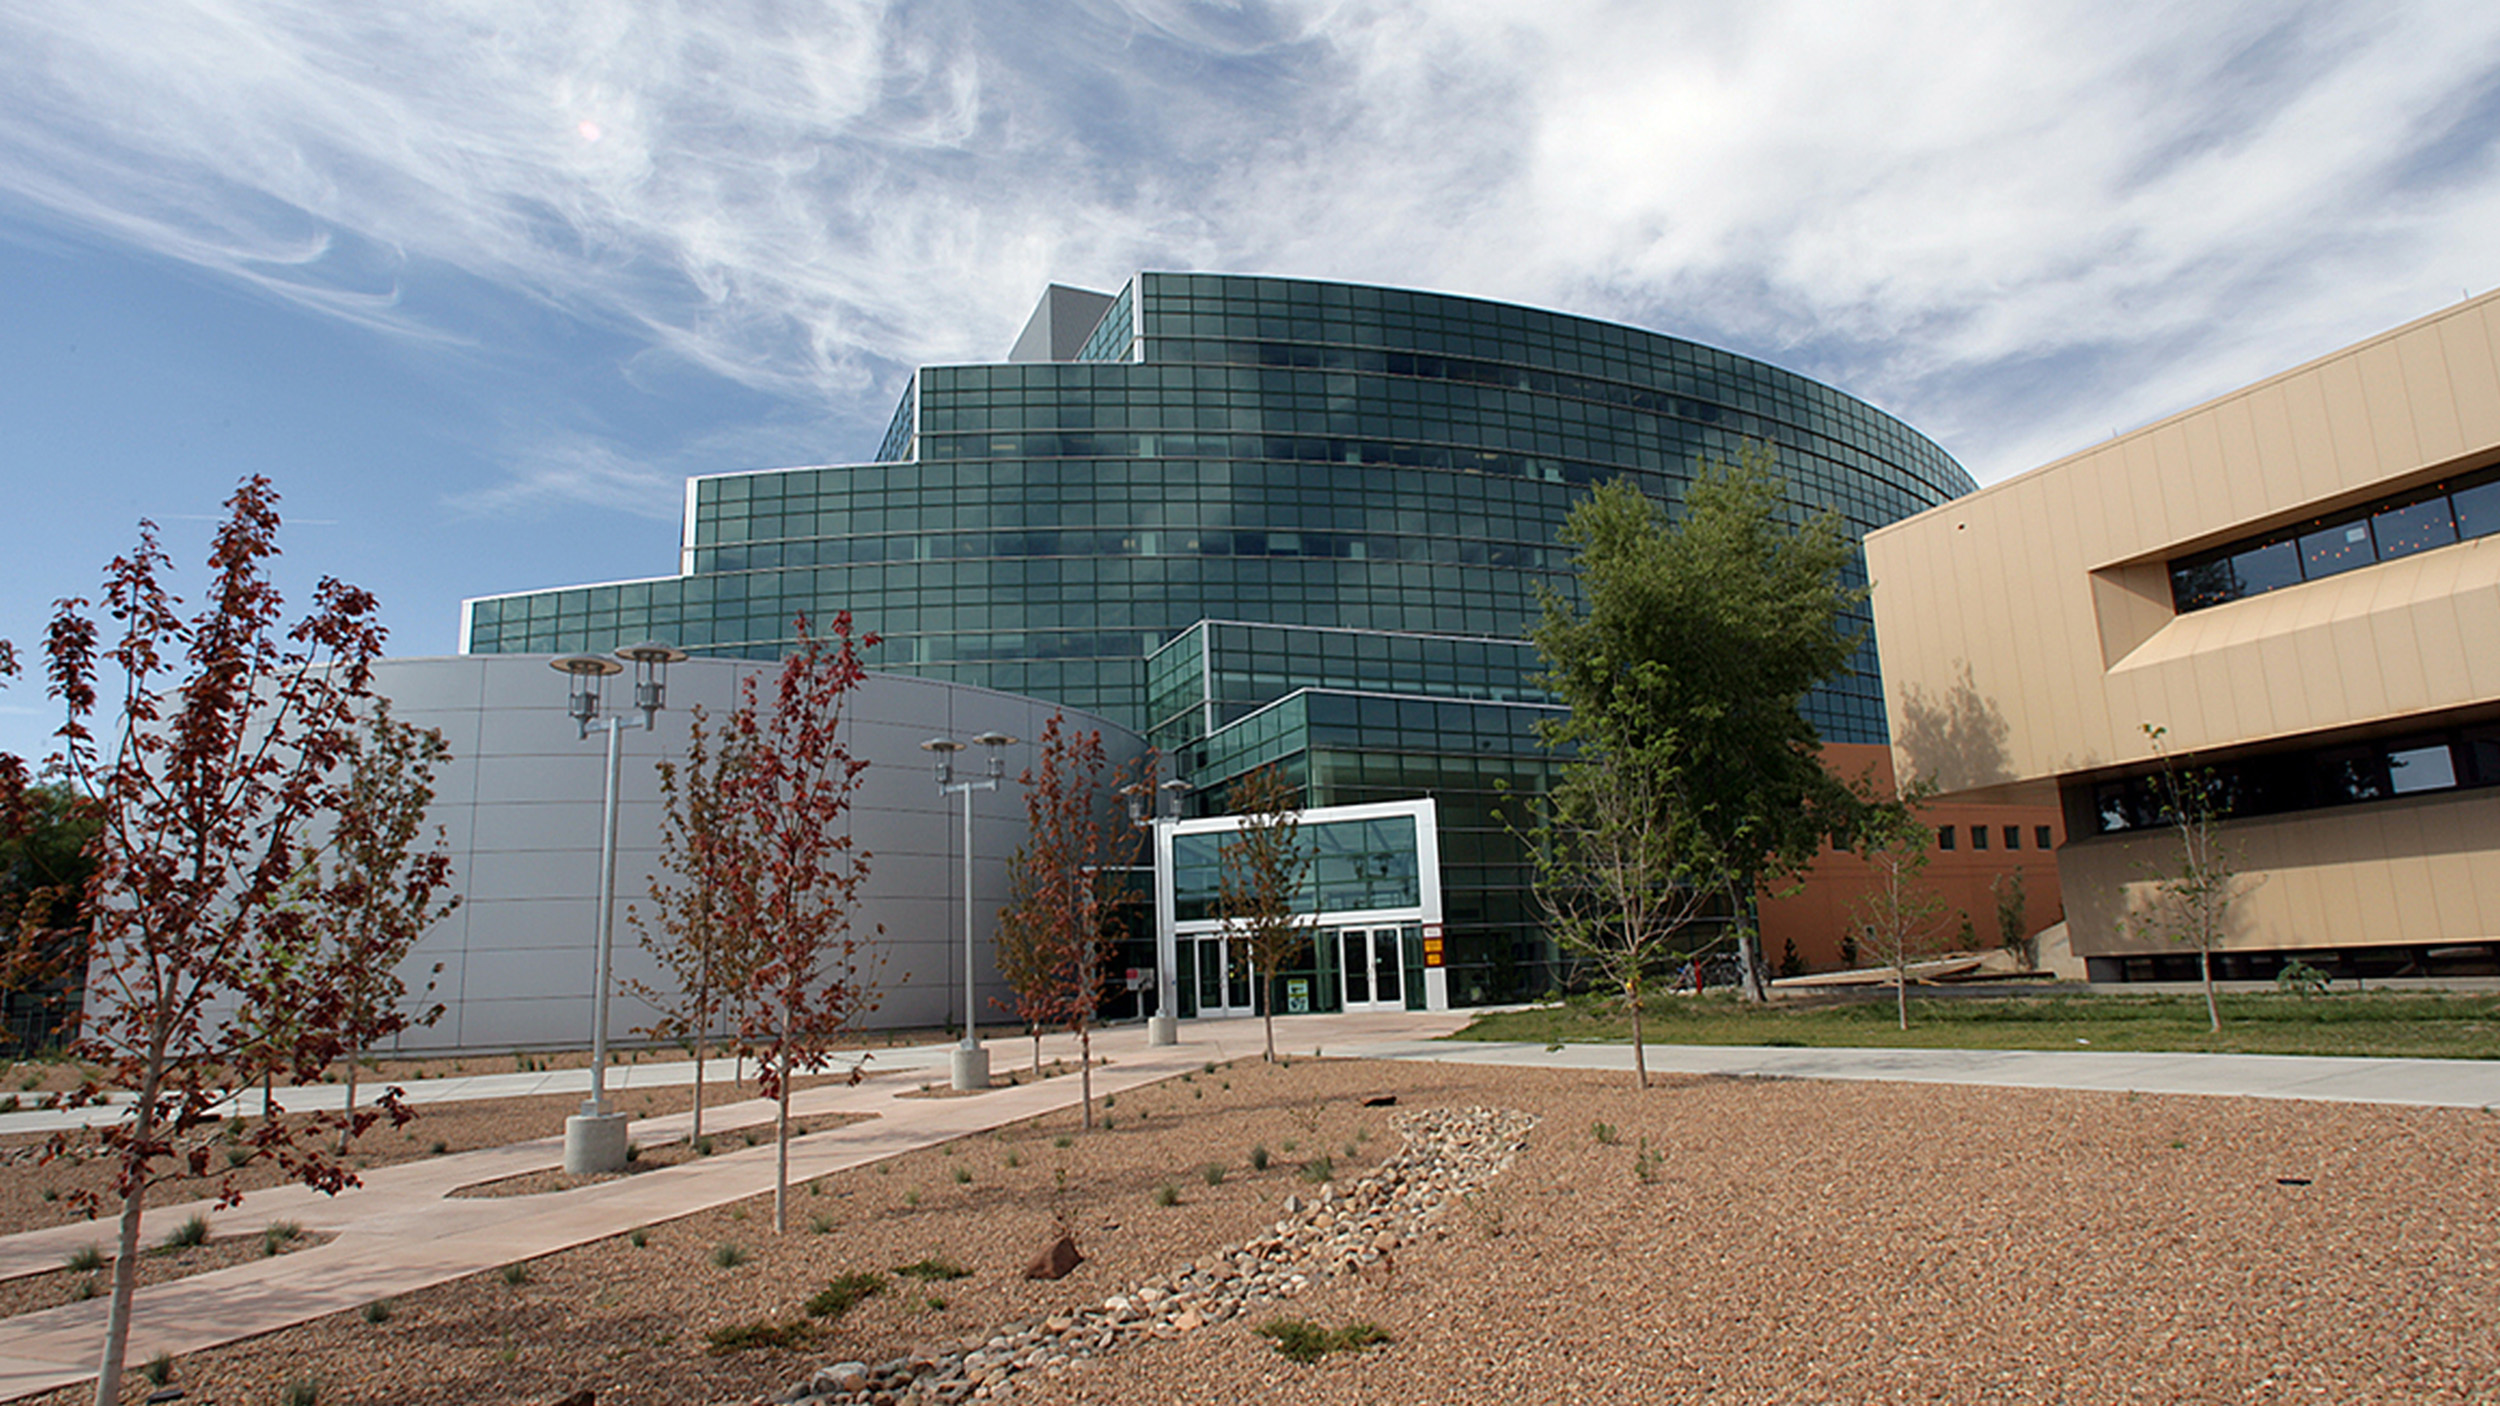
<point x="520" y="804"/>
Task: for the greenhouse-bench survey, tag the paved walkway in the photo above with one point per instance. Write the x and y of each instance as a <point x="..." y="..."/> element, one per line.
<point x="398" y="1233"/>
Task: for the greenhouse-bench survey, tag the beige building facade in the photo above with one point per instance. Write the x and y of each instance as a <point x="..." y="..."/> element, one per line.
<point x="2299" y="583"/>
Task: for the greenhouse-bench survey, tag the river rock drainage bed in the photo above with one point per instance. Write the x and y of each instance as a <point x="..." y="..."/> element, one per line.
<point x="1449" y="1153"/>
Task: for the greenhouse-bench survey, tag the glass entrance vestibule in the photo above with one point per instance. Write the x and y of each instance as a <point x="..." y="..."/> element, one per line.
<point x="1369" y="912"/>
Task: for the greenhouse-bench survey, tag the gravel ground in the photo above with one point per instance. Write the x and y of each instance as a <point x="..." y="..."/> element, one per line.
<point x="1720" y="1240"/>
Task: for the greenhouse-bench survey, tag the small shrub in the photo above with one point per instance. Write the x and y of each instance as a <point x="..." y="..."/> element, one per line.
<point x="189" y="1235"/>
<point x="820" y="1225"/>
<point x="1109" y="1122"/>
<point x="237" y="1156"/>
<point x="516" y="1274"/>
<point x="9" y="1104"/>
<point x="158" y="1369"/>
<point x="277" y="1235"/>
<point x="1304" y="1341"/>
<point x="1605" y="1134"/>
<point x="633" y="1154"/>
<point x="1167" y="1195"/>
<point x="912" y="1197"/>
<point x="87" y="1288"/>
<point x="963" y="1176"/>
<point x="934" y="1303"/>
<point x="1207" y="1068"/>
<point x="1291" y="1144"/>
<point x="1646" y="1164"/>
<point x="1015" y="1159"/>
<point x="1109" y="1100"/>
<point x="1258" y="1158"/>
<point x="51" y="1193"/>
<point x="738" y="1337"/>
<point x="703" y="1147"/>
<point x="378" y="1311"/>
<point x="1063" y="1142"/>
<point x="1319" y="1169"/>
<point x="934" y="1270"/>
<point x="1212" y="1174"/>
<point x="840" y="1296"/>
<point x="749" y="1135"/>
<point x="439" y="1147"/>
<point x="300" y="1393"/>
<point x="638" y="1237"/>
<point x="86" y="1259"/>
<point x="727" y="1255"/>
<point x="737" y="1213"/>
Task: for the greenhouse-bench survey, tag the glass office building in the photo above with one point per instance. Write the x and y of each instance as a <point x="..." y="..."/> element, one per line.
<point x="1261" y="520"/>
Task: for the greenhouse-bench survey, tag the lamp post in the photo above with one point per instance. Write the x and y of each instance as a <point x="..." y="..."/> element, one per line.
<point x="972" y="1062"/>
<point x="594" y="1139"/>
<point x="1164" y="1026"/>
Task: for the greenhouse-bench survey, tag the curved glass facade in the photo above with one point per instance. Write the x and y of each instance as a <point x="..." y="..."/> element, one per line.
<point x="1363" y="484"/>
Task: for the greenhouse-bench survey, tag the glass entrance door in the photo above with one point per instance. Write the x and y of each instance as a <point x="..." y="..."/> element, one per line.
<point x="1370" y="969"/>
<point x="1223" y="975"/>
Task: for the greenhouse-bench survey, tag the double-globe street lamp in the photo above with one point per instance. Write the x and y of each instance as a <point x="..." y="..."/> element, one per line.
<point x="594" y="1139"/>
<point x="972" y="1062"/>
<point x="1164" y="1026"/>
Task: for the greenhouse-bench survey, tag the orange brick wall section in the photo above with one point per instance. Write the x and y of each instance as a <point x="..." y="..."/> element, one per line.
<point x="1815" y="917"/>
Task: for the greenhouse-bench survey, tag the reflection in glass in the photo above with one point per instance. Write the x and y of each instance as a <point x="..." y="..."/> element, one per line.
<point x="2401" y="532"/>
<point x="2478" y="509"/>
<point x="2424" y="768"/>
<point x="2333" y="550"/>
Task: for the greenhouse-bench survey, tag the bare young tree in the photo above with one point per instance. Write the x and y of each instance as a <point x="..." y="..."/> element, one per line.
<point x="1622" y="871"/>
<point x="1264" y="865"/>
<point x="709" y="958"/>
<point x="1065" y="891"/>
<point x="1900" y="918"/>
<point x="797" y="879"/>
<point x="207" y="746"/>
<point x="2192" y="895"/>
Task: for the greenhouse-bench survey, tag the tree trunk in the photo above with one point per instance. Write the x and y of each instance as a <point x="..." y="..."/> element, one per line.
<point x="1901" y="992"/>
<point x="108" y="1377"/>
<point x="1267" y="1016"/>
<point x="1640" y="1056"/>
<point x="696" y="1134"/>
<point x="347" y="1132"/>
<point x="1748" y="963"/>
<point x="2213" y="1011"/>
<point x="781" y="1134"/>
<point x="1085" y="1072"/>
<point x="1037" y="1052"/>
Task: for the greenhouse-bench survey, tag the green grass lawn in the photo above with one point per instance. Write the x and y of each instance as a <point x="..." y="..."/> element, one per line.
<point x="2431" y="1025"/>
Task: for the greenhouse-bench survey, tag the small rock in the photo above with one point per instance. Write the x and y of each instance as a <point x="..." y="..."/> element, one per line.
<point x="1055" y="1262"/>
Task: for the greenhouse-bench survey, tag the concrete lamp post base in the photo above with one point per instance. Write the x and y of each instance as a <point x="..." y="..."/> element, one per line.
<point x="594" y="1144"/>
<point x="1163" y="1030"/>
<point x="972" y="1067"/>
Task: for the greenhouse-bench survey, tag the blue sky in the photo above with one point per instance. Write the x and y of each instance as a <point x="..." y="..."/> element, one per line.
<point x="479" y="282"/>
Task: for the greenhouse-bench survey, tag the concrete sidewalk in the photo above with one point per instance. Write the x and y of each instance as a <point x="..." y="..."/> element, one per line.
<point x="399" y="1232"/>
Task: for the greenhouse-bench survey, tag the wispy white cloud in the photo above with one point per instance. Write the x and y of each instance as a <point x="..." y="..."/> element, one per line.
<point x="2017" y="226"/>
<point x="578" y="470"/>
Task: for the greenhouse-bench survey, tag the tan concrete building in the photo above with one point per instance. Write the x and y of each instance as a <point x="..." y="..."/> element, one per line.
<point x="2300" y="582"/>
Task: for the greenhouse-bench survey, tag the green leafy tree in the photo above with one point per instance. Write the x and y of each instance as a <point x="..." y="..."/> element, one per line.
<point x="1900" y="919"/>
<point x="1710" y="628"/>
<point x="1262" y="869"/>
<point x="1622" y="871"/>
<point x="2192" y="895"/>
<point x="2014" y="917"/>
<point x="1065" y="888"/>
<point x="45" y="830"/>
<point x="707" y="958"/>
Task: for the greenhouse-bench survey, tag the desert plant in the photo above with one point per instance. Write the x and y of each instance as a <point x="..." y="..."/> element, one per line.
<point x="932" y="1270"/>
<point x="301" y="1393"/>
<point x="1319" y="1169"/>
<point x="843" y="1294"/>
<point x="963" y="1176"/>
<point x="727" y="1255"/>
<point x="85" y="1259"/>
<point x="158" y="1369"/>
<point x="2301" y="978"/>
<point x="378" y="1311"/>
<point x="1646" y="1162"/>
<point x="190" y="1234"/>
<point x="638" y="1237"/>
<point x="516" y="1274"/>
<point x="820" y="1225"/>
<point x="1167" y="1195"/>
<point x="1304" y="1341"/>
<point x="1258" y="1158"/>
<point x="737" y="1337"/>
<point x="277" y="1235"/>
<point x="1212" y="1174"/>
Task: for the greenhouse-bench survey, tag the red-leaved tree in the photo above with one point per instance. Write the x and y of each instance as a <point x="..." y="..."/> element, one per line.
<point x="793" y="891"/>
<point x="1065" y="890"/>
<point x="208" y="746"/>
